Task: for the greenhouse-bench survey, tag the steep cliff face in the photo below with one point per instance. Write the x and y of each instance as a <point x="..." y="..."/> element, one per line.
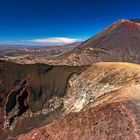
<point x="66" y="102"/>
<point x="28" y="89"/>
<point x="101" y="103"/>
<point x="113" y="116"/>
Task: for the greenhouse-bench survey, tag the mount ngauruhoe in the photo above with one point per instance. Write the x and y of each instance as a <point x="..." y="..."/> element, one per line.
<point x="120" y="42"/>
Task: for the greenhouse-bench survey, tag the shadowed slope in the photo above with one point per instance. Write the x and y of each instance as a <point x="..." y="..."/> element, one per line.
<point x="25" y="89"/>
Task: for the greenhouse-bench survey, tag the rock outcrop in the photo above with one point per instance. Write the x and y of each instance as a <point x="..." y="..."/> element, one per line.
<point x="40" y="101"/>
<point x="113" y="116"/>
<point x="100" y="105"/>
<point x="26" y="89"/>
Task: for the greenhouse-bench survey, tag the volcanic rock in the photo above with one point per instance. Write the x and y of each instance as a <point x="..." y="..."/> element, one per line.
<point x="106" y="106"/>
<point x="26" y="89"/>
<point x="41" y="101"/>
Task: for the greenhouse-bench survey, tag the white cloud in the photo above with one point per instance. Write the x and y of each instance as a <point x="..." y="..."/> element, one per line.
<point x="55" y="40"/>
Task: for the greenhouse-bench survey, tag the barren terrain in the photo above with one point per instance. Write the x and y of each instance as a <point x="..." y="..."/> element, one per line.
<point x="82" y="91"/>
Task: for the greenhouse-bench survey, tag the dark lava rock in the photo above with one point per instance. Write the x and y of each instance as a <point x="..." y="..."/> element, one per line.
<point x="29" y="87"/>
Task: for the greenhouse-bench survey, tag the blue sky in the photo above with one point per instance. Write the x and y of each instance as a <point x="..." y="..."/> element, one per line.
<point x="60" y="21"/>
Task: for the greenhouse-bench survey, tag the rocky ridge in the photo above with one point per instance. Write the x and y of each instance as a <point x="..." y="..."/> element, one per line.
<point x="97" y="108"/>
<point x="83" y="89"/>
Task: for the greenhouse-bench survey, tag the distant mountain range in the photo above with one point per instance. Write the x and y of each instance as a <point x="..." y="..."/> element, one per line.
<point x="41" y="51"/>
